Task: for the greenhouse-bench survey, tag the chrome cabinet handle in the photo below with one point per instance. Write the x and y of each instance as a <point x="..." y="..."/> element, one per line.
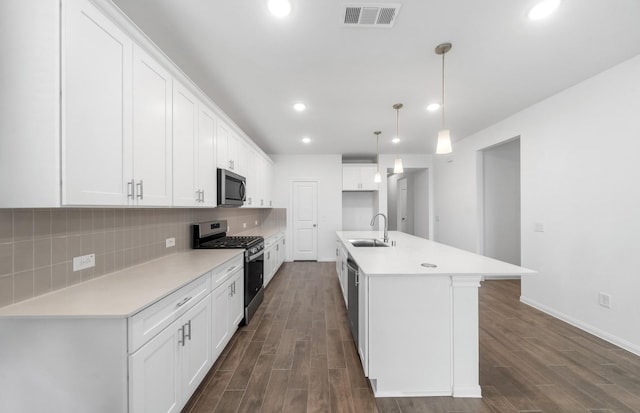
<point x="188" y="335"/>
<point x="140" y="191"/>
<point x="202" y="192"/>
<point x="183" y="302"/>
<point x="357" y="278"/>
<point x="130" y="193"/>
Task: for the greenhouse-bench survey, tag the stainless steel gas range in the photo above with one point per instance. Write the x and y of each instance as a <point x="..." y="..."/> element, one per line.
<point x="213" y="235"/>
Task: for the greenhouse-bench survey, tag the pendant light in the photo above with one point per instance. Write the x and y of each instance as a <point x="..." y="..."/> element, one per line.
<point x="444" y="137"/>
<point x="377" y="178"/>
<point x="397" y="166"/>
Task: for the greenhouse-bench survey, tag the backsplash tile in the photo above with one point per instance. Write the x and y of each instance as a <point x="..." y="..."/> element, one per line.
<point x="37" y="246"/>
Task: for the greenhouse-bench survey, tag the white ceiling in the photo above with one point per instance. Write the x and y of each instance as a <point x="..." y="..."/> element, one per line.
<point x="255" y="66"/>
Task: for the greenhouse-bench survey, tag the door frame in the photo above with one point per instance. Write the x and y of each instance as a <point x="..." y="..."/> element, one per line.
<point x="480" y="194"/>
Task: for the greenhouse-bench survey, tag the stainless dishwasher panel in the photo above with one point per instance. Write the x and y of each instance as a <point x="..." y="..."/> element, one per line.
<point x="353" y="279"/>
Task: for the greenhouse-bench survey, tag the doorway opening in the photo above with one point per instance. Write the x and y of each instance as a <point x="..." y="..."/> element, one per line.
<point x="499" y="201"/>
<point x="408" y="201"/>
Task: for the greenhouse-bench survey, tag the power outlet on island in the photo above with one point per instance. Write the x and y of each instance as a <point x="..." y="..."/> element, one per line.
<point x="84" y="262"/>
<point x="244" y="225"/>
<point x="170" y="242"/>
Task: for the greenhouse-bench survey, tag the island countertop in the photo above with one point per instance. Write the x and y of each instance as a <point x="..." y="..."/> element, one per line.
<point x="410" y="252"/>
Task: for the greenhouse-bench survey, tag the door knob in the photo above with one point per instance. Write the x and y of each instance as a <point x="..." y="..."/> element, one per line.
<point x="314" y="225"/>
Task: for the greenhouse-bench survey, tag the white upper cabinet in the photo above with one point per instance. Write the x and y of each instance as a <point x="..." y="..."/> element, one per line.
<point x="359" y="177"/>
<point x="96" y="108"/>
<point x="251" y="175"/>
<point x="88" y="113"/>
<point x="185" y="155"/>
<point x="116" y="128"/>
<point x="226" y="147"/>
<point x="207" y="182"/>
<point x="152" y="132"/>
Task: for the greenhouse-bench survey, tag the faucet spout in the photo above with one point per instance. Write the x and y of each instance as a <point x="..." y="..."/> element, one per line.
<point x="386" y="228"/>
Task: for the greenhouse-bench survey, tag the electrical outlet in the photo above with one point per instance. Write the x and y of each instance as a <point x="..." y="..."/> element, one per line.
<point x="84" y="262"/>
<point x="538" y="226"/>
<point x="604" y="300"/>
<point x="244" y="225"/>
<point x="170" y="242"/>
<point x="256" y="222"/>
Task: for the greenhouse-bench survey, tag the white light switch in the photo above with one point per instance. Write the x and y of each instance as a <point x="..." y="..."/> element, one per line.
<point x="170" y="242"/>
<point x="538" y="226"/>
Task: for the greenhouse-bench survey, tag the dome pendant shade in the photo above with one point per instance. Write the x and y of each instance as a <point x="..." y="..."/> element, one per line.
<point x="444" y="142"/>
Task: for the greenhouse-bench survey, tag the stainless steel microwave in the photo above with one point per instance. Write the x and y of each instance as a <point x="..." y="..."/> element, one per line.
<point x="232" y="189"/>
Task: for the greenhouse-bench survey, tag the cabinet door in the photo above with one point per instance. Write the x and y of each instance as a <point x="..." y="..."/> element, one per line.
<point x="261" y="168"/>
<point x="350" y="178"/>
<point x="269" y="263"/>
<point x="252" y="176"/>
<point x="206" y="157"/>
<point x="240" y="162"/>
<point x="232" y="151"/>
<point x="367" y="175"/>
<point x="223" y="134"/>
<point x="196" y="350"/>
<point x="236" y="303"/>
<point x="152" y="134"/>
<point x="154" y="374"/>
<point x="185" y="137"/>
<point x="220" y="318"/>
<point x="96" y="108"/>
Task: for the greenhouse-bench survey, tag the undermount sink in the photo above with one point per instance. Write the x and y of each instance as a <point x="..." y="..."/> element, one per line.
<point x="367" y="242"/>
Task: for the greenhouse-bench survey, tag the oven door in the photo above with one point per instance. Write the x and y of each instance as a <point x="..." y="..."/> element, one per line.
<point x="253" y="276"/>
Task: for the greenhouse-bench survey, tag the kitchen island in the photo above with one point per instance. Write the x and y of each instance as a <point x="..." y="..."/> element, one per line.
<point x="417" y="313"/>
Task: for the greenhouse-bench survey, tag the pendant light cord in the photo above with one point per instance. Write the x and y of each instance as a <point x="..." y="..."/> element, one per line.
<point x="397" y="128"/>
<point x="443" y="90"/>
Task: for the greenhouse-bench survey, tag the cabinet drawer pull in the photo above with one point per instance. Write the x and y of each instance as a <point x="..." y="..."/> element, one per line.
<point x="130" y="189"/>
<point x="183" y="302"/>
<point x="188" y="335"/>
<point x="140" y="187"/>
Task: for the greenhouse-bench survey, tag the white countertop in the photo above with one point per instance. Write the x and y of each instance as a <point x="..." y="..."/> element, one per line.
<point x="123" y="293"/>
<point x="410" y="252"/>
<point x="261" y="232"/>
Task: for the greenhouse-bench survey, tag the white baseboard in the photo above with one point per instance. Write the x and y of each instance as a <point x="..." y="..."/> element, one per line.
<point x="467" y="391"/>
<point x="622" y="343"/>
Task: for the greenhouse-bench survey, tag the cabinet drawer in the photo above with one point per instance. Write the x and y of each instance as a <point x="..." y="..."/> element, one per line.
<point x="222" y="272"/>
<point x="147" y="323"/>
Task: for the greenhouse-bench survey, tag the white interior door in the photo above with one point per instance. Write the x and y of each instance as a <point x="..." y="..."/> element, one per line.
<point x="402" y="206"/>
<point x="305" y="222"/>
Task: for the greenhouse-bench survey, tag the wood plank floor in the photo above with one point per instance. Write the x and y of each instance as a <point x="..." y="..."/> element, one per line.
<point x="297" y="355"/>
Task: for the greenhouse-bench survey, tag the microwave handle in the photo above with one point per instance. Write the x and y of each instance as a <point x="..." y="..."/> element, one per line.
<point x="242" y="190"/>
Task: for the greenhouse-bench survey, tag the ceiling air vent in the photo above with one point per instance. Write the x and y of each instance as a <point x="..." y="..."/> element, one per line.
<point x="369" y="14"/>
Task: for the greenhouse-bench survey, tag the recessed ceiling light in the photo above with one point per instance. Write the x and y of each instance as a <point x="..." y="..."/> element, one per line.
<point x="395" y="140"/>
<point x="279" y="8"/>
<point x="299" y="106"/>
<point x="543" y="9"/>
<point x="306" y="140"/>
<point x="433" y="107"/>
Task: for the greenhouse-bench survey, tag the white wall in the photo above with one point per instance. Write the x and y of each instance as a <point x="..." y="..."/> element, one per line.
<point x="579" y="155"/>
<point x="358" y="209"/>
<point x="327" y="171"/>
<point x="501" y="201"/>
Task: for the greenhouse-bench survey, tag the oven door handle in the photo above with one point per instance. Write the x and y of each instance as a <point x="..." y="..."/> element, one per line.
<point x="256" y="255"/>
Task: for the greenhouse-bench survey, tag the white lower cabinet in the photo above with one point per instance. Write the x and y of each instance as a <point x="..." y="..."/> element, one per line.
<point x="273" y="256"/>
<point x="166" y="371"/>
<point x="228" y="310"/>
